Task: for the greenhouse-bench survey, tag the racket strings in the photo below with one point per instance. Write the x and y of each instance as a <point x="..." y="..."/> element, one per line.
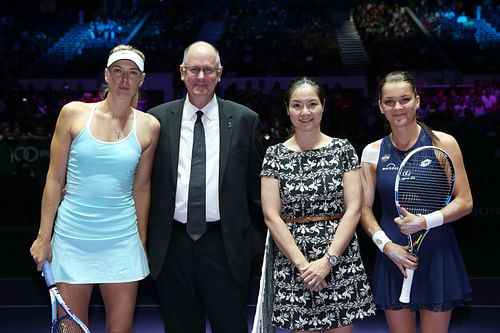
<point x="426" y="183"/>
<point x="67" y="325"/>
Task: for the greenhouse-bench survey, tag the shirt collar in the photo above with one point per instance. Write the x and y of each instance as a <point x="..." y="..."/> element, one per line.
<point x="209" y="110"/>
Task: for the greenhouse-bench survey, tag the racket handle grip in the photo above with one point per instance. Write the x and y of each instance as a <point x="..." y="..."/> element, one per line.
<point x="406" y="289"/>
<point x="47" y="274"/>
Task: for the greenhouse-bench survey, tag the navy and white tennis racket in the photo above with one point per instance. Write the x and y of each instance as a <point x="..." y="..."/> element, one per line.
<point x="424" y="184"/>
<point x="69" y="323"/>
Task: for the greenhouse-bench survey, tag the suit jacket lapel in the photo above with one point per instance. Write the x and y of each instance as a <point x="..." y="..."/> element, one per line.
<point x="226" y="132"/>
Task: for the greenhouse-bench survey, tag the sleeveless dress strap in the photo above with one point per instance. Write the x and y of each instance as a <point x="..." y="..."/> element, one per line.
<point x="134" y="121"/>
<point x="91" y="116"/>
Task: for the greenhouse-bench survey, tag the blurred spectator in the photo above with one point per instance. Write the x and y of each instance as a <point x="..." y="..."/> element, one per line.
<point x="489" y="100"/>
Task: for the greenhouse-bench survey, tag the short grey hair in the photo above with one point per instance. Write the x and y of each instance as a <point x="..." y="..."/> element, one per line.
<point x="217" y="56"/>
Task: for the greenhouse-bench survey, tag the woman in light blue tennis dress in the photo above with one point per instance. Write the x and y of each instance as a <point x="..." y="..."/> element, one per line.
<point x="102" y="154"/>
<point x="96" y="238"/>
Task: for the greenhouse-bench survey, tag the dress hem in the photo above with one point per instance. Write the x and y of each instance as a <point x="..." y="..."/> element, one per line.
<point x="103" y="281"/>
<point x="357" y="320"/>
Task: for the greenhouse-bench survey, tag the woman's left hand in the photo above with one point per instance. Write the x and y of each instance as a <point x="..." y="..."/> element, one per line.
<point x="409" y="223"/>
<point x="314" y="274"/>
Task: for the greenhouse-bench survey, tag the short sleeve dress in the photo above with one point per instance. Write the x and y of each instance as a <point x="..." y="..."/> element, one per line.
<point x="440" y="283"/>
<point x="311" y="184"/>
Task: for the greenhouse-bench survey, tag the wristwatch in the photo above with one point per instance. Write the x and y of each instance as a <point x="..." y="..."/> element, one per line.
<point x="333" y="260"/>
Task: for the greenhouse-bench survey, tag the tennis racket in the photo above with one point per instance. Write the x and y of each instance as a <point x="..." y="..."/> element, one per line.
<point x="69" y="323"/>
<point x="424" y="184"/>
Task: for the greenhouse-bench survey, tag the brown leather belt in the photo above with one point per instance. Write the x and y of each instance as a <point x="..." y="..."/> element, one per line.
<point x="310" y="219"/>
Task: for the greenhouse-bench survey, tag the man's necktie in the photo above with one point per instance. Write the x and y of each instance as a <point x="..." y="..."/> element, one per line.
<point x="196" y="215"/>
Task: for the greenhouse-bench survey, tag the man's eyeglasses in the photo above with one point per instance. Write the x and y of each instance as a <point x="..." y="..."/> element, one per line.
<point x="194" y="70"/>
<point x="119" y="71"/>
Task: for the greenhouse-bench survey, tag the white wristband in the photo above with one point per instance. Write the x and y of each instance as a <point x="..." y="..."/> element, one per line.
<point x="434" y="219"/>
<point x="380" y="239"/>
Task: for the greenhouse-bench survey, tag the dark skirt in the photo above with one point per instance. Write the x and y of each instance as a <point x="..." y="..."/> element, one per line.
<point x="440" y="282"/>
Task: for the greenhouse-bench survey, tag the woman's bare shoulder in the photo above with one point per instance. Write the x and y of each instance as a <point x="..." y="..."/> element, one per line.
<point x="77" y="108"/>
<point x="146" y="120"/>
<point x="445" y="139"/>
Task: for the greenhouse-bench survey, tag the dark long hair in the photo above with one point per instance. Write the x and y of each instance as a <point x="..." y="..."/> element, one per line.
<point x="403" y="76"/>
<point x="294" y="85"/>
<point x="299" y="81"/>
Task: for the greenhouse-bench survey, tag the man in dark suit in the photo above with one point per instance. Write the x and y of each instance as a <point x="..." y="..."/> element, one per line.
<point x="204" y="274"/>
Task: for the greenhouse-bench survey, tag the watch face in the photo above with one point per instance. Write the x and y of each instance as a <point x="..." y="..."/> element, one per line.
<point x="333" y="259"/>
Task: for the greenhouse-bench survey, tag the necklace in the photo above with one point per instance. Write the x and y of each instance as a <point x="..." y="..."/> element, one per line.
<point x="115" y="125"/>
<point x="118" y="133"/>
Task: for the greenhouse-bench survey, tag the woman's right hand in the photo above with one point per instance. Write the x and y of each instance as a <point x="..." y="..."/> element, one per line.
<point x="41" y="251"/>
<point x="401" y="257"/>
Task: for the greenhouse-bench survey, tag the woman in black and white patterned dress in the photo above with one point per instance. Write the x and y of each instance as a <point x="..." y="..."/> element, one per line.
<point x="311" y="198"/>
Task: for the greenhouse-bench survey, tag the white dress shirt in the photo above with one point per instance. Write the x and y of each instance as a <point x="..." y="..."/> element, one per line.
<point x="210" y="120"/>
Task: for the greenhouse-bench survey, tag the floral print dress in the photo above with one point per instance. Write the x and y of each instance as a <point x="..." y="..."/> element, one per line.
<point x="311" y="184"/>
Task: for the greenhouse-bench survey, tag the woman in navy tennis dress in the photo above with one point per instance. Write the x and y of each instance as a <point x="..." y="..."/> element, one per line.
<point x="102" y="153"/>
<point x="440" y="280"/>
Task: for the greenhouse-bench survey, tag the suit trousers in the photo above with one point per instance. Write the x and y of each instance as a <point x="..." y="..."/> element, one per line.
<point x="196" y="284"/>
